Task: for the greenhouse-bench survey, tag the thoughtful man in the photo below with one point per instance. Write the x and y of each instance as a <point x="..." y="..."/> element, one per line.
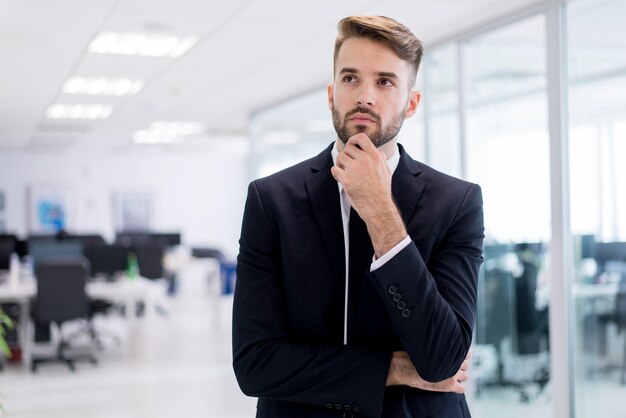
<point x="357" y="271"/>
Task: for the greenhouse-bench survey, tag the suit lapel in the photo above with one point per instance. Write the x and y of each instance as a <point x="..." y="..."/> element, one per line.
<point x="406" y="188"/>
<point x="324" y="196"/>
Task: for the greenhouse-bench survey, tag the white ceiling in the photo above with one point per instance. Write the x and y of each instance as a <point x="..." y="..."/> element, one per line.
<point x="251" y="54"/>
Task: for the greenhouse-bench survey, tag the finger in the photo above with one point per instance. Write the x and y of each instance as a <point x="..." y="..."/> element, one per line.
<point x="458" y="388"/>
<point x="363" y="141"/>
<point x="461" y="376"/>
<point x="351" y="150"/>
<point x="343" y="161"/>
<point x="451" y="385"/>
<point x="337" y="173"/>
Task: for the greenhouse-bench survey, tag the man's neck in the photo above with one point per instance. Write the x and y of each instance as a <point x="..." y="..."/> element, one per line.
<point x="388" y="149"/>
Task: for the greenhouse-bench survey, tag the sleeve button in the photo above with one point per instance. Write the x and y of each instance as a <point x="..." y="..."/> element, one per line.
<point x="406" y="313"/>
<point x="329" y="405"/>
<point x="356" y="408"/>
<point x="397" y="297"/>
<point x="392" y="290"/>
<point x="338" y="406"/>
<point x="401" y="305"/>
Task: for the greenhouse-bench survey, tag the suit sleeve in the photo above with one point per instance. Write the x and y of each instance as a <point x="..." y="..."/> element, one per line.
<point x="433" y="307"/>
<point x="267" y="363"/>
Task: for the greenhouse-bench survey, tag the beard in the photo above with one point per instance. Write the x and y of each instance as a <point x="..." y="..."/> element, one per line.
<point x="380" y="136"/>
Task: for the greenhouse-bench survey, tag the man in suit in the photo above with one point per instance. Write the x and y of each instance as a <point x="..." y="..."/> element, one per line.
<point x="357" y="271"/>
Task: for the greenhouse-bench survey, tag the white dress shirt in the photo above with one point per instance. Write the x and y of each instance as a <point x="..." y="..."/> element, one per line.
<point x="392" y="163"/>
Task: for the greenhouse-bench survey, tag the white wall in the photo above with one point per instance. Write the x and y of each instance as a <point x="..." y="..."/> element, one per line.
<point x="199" y="193"/>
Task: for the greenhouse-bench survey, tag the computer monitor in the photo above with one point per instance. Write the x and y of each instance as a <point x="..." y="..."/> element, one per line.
<point x="497" y="250"/>
<point x="128" y="238"/>
<point x="41" y="238"/>
<point x="7" y="247"/>
<point x="171" y="238"/>
<point x="107" y="259"/>
<point x="44" y="250"/>
<point x="609" y="251"/>
<point x="88" y="240"/>
<point x="587" y="246"/>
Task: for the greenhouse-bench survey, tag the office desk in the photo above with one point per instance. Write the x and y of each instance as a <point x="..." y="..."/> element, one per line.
<point x="20" y="294"/>
<point x="126" y="292"/>
<point x="591" y="291"/>
<point x="601" y="344"/>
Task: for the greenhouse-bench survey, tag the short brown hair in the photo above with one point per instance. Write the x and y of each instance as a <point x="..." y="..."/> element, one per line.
<point x="386" y="30"/>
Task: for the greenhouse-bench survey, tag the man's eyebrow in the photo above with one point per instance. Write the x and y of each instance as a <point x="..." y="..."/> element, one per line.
<point x="348" y="70"/>
<point x="387" y="74"/>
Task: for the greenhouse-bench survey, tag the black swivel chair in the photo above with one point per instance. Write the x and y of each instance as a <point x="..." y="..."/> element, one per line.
<point x="150" y="258"/>
<point x="618" y="316"/>
<point x="531" y="328"/>
<point x="61" y="297"/>
<point x="620" y="320"/>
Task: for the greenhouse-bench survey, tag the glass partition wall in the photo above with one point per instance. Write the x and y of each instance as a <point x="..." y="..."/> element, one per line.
<point x="596" y="44"/>
<point x="507" y="153"/>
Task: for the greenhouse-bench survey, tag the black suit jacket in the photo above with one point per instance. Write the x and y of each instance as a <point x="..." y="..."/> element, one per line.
<point x="289" y="298"/>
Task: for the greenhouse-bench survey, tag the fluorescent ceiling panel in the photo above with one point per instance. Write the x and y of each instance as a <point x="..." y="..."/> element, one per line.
<point x="141" y="44"/>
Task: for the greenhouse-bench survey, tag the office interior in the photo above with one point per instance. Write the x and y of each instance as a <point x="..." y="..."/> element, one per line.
<point x="137" y="161"/>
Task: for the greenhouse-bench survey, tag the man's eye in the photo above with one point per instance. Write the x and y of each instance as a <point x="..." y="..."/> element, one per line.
<point x="386" y="83"/>
<point x="349" y="79"/>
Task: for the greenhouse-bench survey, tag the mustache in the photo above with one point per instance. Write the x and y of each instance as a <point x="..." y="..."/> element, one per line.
<point x="364" y="111"/>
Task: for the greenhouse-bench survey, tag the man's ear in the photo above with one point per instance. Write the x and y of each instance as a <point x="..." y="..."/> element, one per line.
<point x="330" y="97"/>
<point x="414" y="100"/>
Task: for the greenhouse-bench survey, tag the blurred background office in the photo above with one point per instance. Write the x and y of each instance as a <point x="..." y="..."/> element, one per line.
<point x="129" y="130"/>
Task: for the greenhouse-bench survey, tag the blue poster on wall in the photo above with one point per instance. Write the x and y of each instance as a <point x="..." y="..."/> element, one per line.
<point x="50" y="208"/>
<point x="51" y="214"/>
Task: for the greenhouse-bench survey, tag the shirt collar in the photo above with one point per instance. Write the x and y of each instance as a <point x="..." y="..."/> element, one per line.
<point x="392" y="162"/>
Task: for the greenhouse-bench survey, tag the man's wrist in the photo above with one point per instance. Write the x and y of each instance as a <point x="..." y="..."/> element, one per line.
<point x="393" y="379"/>
<point x="385" y="227"/>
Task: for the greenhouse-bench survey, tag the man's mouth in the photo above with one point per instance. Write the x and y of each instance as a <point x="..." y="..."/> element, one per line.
<point x="360" y="118"/>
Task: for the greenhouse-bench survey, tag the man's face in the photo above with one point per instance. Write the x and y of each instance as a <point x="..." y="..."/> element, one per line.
<point x="370" y="93"/>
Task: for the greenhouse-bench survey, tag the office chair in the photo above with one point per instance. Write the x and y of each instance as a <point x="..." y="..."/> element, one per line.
<point x="205" y="252"/>
<point x="620" y="320"/>
<point x="60" y="298"/>
<point x="7" y="248"/>
<point x="96" y="307"/>
<point x="150" y="258"/>
<point x="529" y="363"/>
<point x="89" y="240"/>
<point x="618" y="316"/>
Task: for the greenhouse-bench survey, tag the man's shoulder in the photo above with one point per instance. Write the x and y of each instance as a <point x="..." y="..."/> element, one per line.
<point x="443" y="179"/>
<point x="435" y="178"/>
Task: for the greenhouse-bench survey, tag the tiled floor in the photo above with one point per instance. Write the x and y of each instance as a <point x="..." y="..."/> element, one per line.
<point x="180" y="366"/>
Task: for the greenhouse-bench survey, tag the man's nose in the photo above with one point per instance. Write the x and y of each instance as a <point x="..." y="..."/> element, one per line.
<point x="366" y="96"/>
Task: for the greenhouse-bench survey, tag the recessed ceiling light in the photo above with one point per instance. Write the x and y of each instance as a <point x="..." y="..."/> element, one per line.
<point x="146" y="136"/>
<point x="281" y="137"/>
<point x="141" y="44"/>
<point x="79" y="111"/>
<point x="102" y="85"/>
<point x="178" y="128"/>
<point x="167" y="132"/>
